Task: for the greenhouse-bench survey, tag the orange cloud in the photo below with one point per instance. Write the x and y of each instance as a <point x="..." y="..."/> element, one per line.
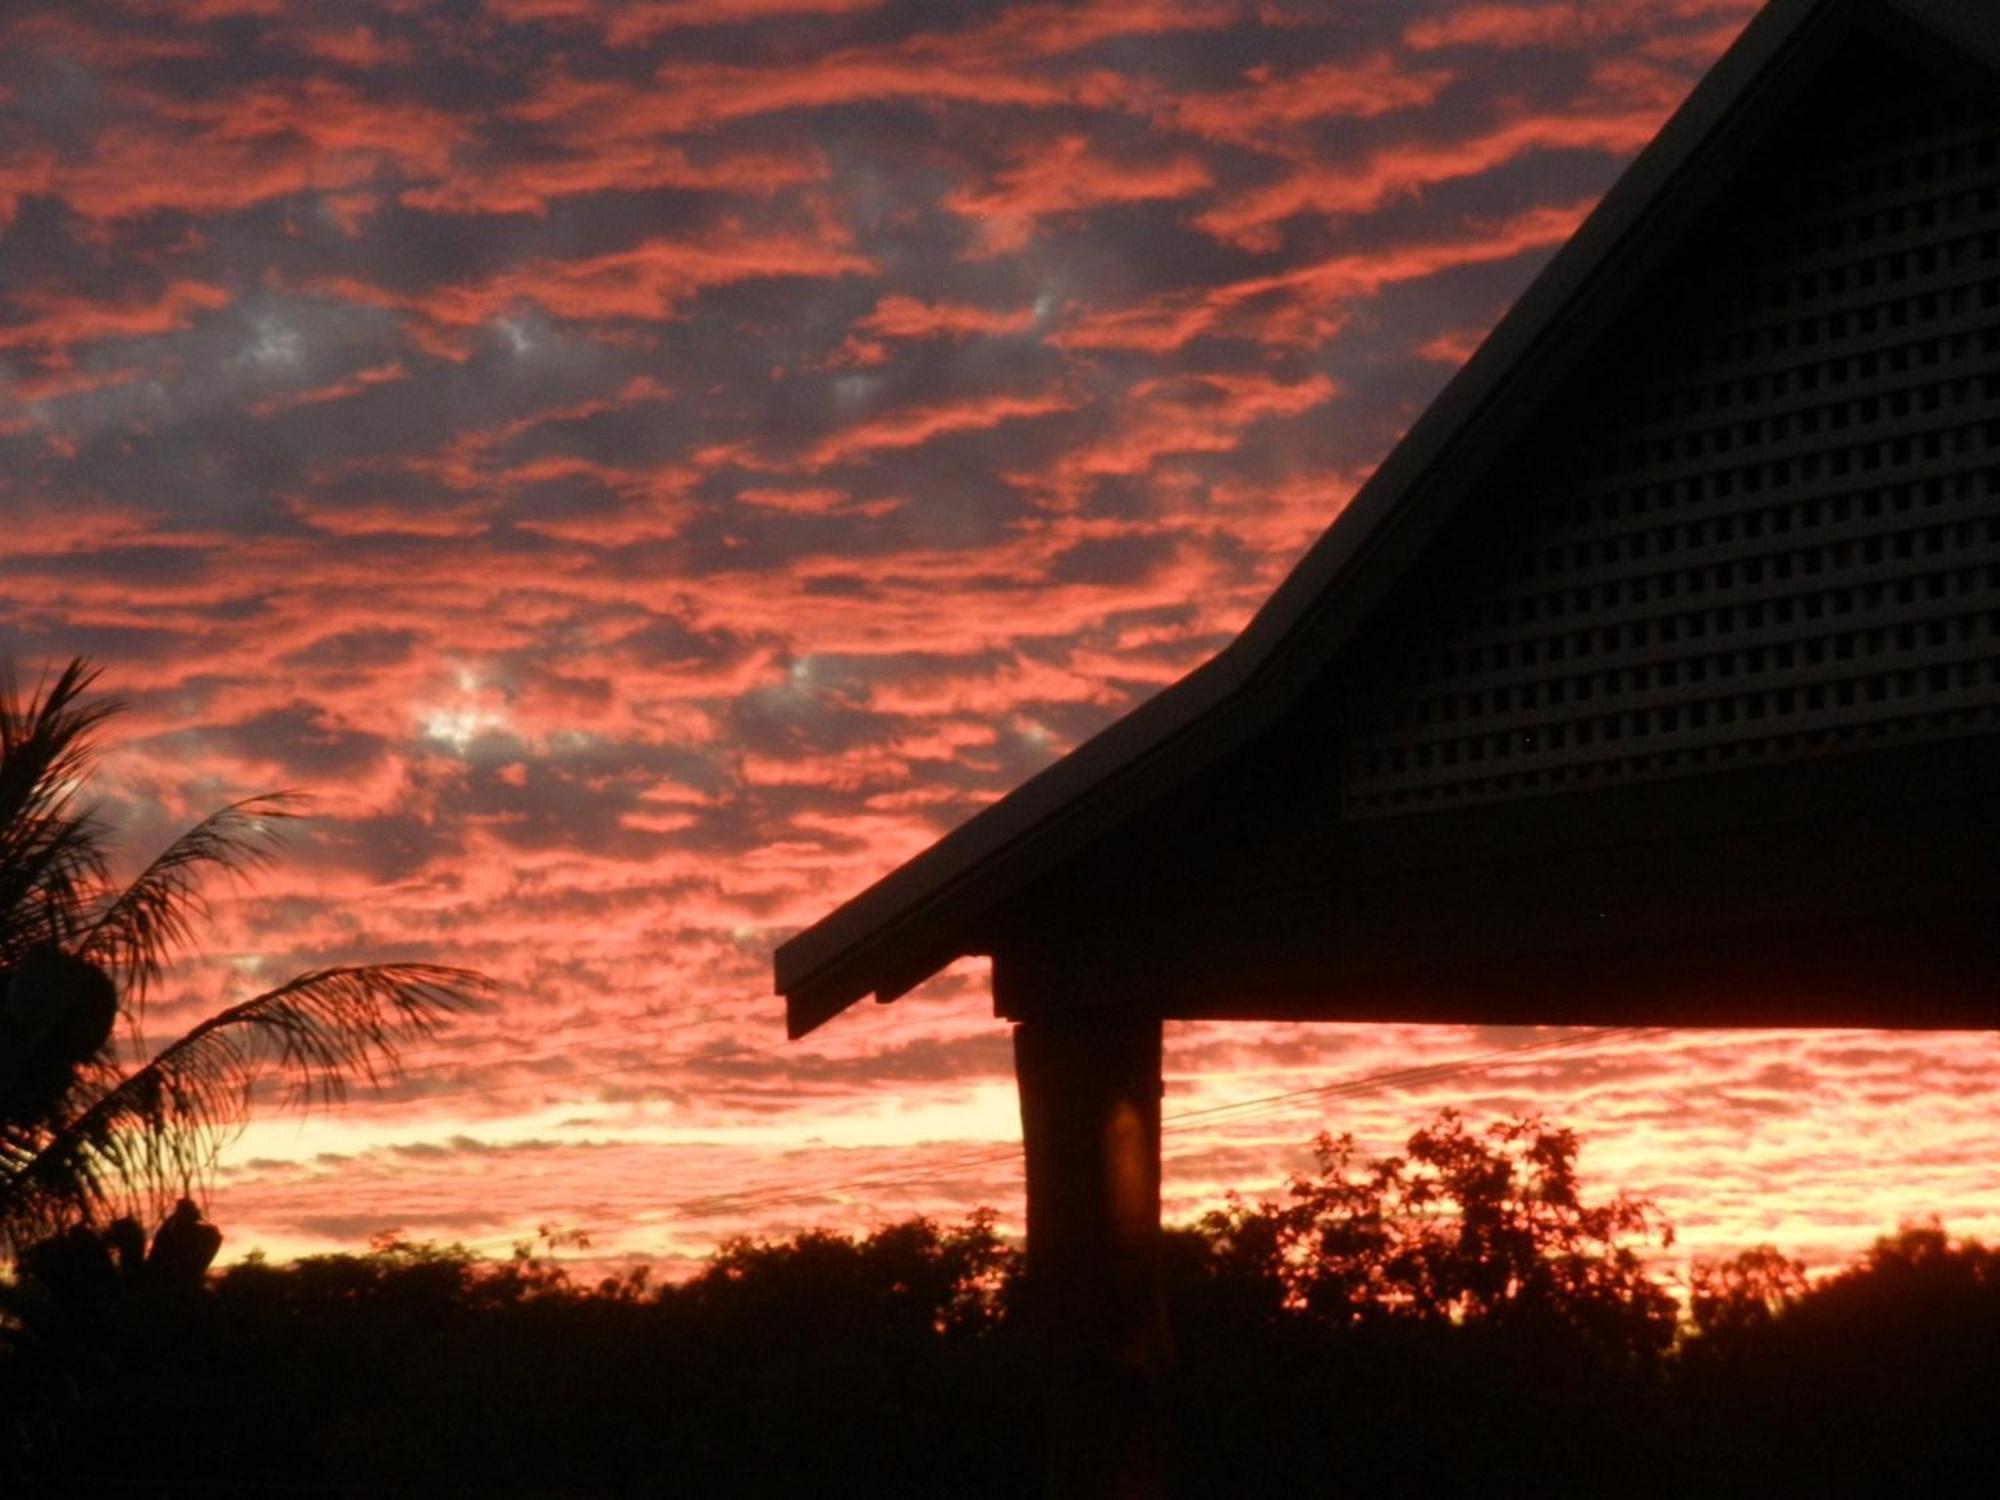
<point x="645" y="19"/>
<point x="913" y="427"/>
<point x="1301" y="306"/>
<point x="700" y="96"/>
<point x="649" y="280"/>
<point x="816" y="501"/>
<point x="339" y="390"/>
<point x="980" y="65"/>
<point x="325" y="115"/>
<point x="198" y="11"/>
<point x="355" y="46"/>
<point x="70" y="382"/>
<point x="28" y="170"/>
<point x="1253" y="219"/>
<point x="1557" y="23"/>
<point x="902" y="317"/>
<point x="623" y="23"/>
<point x="1269" y="100"/>
<point x="101" y="41"/>
<point x="1066" y="176"/>
<point x="269" y="140"/>
<point x="58" y="321"/>
<point x="1452" y="347"/>
<point x="1182" y="414"/>
<point x="627" y="165"/>
<point x="1054" y="30"/>
<point x="384" y="518"/>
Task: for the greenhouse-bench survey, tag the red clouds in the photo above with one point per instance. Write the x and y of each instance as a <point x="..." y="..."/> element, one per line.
<point x="622" y="23"/>
<point x="338" y="390"/>
<point x="1269" y="101"/>
<point x="1303" y="305"/>
<point x="250" y="145"/>
<point x="651" y="465"/>
<point x="53" y="324"/>
<point x="1185" y="414"/>
<point x="1067" y="176"/>
<point x="613" y="165"/>
<point x="645" y="281"/>
<point x="1558" y="24"/>
<point x="914" y="426"/>
<point x="901" y="317"/>
<point x="1255" y="218"/>
<point x="23" y="171"/>
<point x="650" y="279"/>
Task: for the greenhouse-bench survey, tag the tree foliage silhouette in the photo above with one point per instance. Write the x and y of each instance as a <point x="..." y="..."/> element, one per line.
<point x="888" y="1362"/>
<point x="1742" y="1295"/>
<point x="1463" y="1228"/>
<point x="85" y="1134"/>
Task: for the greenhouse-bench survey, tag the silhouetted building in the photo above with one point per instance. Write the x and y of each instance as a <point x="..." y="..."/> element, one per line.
<point x="1654" y="677"/>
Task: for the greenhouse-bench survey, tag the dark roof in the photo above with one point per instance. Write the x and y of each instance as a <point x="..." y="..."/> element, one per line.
<point x="929" y="911"/>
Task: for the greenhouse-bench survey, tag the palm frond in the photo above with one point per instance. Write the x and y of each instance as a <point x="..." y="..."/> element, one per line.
<point x="48" y="738"/>
<point x="49" y="871"/>
<point x="50" y="855"/>
<point x="154" y="917"/>
<point x="154" y="1134"/>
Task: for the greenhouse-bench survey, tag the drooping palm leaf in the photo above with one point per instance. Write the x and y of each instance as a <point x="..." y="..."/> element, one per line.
<point x="46" y="742"/>
<point x="141" y="929"/>
<point x="78" y="1135"/>
<point x="152" y="1135"/>
<point x="50" y="854"/>
<point x="47" y="877"/>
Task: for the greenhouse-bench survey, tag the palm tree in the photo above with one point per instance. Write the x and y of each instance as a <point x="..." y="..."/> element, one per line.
<point x="83" y="1136"/>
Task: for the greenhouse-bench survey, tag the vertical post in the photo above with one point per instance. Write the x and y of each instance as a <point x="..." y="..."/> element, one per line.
<point x="1090" y="1120"/>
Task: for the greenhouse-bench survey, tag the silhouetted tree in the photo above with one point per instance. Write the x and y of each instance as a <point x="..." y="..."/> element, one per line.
<point x="1462" y="1228"/>
<point x="889" y="1360"/>
<point x="83" y="1135"/>
<point x="1465" y="1290"/>
<point x="1882" y="1378"/>
<point x="915" y="1278"/>
<point x="887" y="1355"/>
<point x="1738" y="1297"/>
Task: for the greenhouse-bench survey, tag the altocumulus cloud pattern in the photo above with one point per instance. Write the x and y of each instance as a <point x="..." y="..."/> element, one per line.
<point x="650" y="466"/>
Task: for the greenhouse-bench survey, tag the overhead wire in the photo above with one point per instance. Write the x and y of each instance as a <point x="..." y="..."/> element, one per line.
<point x="931" y="1173"/>
<point x="1380" y="1081"/>
<point x="1416" y="1073"/>
<point x="404" y="1075"/>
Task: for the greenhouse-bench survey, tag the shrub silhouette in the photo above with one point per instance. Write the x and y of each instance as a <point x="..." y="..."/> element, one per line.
<point x="1461" y="1317"/>
<point x="1886" y="1373"/>
<point x="1465" y="1288"/>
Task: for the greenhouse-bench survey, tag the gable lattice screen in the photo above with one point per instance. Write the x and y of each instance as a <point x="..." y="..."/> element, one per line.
<point x="1765" y="527"/>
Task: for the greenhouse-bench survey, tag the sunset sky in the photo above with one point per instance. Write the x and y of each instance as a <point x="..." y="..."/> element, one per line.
<point x="648" y="467"/>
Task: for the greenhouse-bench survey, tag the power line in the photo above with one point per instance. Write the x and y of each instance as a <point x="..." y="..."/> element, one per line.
<point x="930" y="1173"/>
<point x="1378" y="1082"/>
<point x="403" y="1075"/>
<point x="1415" y="1074"/>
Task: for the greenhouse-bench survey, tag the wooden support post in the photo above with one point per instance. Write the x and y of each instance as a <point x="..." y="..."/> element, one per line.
<point x="1090" y="1119"/>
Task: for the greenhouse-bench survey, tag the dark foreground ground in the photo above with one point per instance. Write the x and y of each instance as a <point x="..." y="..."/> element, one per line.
<point x="1359" y="1339"/>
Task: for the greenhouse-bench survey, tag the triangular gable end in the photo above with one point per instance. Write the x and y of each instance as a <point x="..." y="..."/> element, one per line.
<point x="1718" y="495"/>
<point x="1762" y="522"/>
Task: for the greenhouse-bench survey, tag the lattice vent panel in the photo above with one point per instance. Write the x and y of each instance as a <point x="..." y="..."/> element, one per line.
<point x="1767" y="528"/>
